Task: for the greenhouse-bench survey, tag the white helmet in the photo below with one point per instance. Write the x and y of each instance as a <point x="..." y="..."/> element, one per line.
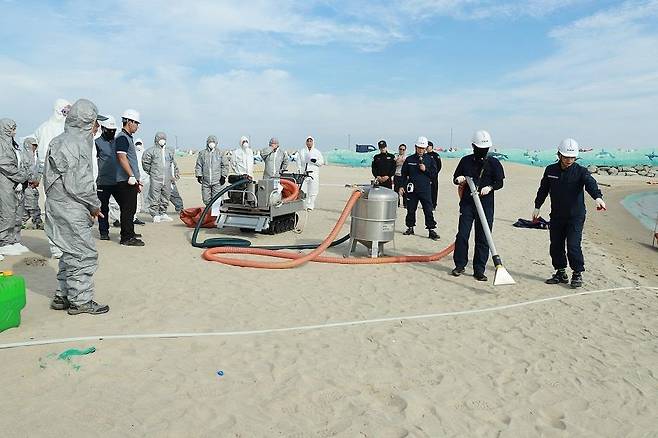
<point x="421" y="142"/>
<point x="481" y="139"/>
<point x="568" y="148"/>
<point x="110" y="123"/>
<point x="131" y="114"/>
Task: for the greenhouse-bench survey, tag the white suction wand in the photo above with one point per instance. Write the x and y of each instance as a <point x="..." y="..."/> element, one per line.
<point x="501" y="276"/>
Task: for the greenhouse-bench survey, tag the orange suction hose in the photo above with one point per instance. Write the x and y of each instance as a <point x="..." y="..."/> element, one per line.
<point x="296" y="259"/>
<point x="290" y="190"/>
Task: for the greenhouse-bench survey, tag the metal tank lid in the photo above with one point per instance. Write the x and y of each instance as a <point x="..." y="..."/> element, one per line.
<point x="381" y="194"/>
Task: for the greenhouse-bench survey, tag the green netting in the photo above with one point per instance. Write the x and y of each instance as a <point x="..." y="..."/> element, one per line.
<point x="542" y="158"/>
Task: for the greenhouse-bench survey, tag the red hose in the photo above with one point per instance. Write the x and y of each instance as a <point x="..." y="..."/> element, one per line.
<point x="296" y="259"/>
<point x="290" y="190"/>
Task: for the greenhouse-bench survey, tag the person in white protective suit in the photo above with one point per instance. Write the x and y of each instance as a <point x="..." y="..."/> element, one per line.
<point x="14" y="175"/>
<point x="275" y="160"/>
<point x="309" y="160"/>
<point x="44" y="134"/>
<point x="71" y="206"/>
<point x="175" y="197"/>
<point x="157" y="162"/>
<point x="142" y="197"/>
<point x="32" y="210"/>
<point x="243" y="159"/>
<point x="210" y="170"/>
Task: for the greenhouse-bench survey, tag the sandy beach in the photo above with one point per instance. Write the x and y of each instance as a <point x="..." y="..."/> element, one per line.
<point x="482" y="361"/>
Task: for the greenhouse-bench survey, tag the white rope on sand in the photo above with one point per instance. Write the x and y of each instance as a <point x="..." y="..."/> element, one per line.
<point x="318" y="326"/>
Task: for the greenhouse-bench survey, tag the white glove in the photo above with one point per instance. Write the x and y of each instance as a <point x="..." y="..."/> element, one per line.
<point x="535" y="214"/>
<point x="600" y="205"/>
<point x="460" y="179"/>
<point x="485" y="190"/>
<point x="132" y="181"/>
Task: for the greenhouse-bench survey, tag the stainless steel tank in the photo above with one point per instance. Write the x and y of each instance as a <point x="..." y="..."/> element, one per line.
<point x="373" y="219"/>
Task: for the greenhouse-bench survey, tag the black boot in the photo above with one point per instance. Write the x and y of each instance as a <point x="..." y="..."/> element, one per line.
<point x="433" y="235"/>
<point x="409" y="232"/>
<point x="576" y="280"/>
<point x="457" y="272"/>
<point x="560" y="276"/>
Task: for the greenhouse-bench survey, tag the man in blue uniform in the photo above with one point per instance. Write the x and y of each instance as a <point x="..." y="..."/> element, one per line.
<point x="383" y="166"/>
<point x="107" y="172"/>
<point x="487" y="174"/>
<point x="565" y="181"/>
<point x="418" y="172"/>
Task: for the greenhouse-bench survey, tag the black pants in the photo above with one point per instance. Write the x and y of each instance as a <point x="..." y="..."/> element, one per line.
<point x="104" y="194"/>
<point x="397" y="185"/>
<point x="467" y="215"/>
<point x="435" y="192"/>
<point x="569" y="231"/>
<point x="425" y="200"/>
<point x="126" y="196"/>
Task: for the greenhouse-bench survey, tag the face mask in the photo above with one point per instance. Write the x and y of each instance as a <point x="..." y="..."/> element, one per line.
<point x="211" y="145"/>
<point x="162" y="142"/>
<point x="480" y="153"/>
<point x="108" y="134"/>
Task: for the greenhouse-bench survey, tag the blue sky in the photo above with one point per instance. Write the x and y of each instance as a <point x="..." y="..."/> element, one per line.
<point x="531" y="72"/>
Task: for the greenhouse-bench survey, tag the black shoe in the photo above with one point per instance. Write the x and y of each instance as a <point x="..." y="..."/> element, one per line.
<point x="132" y="242"/>
<point x="457" y="272"/>
<point x="138" y="222"/>
<point x="433" y="235"/>
<point x="116" y="224"/>
<point x="480" y="277"/>
<point x="560" y="276"/>
<point x="59" y="303"/>
<point x="576" y="280"/>
<point x="137" y="235"/>
<point x="105" y="237"/>
<point x="91" y="307"/>
<point x="409" y="232"/>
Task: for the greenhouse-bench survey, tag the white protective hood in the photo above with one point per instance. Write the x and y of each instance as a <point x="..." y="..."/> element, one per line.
<point x="51" y="128"/>
<point x="243" y="159"/>
<point x="305" y="156"/>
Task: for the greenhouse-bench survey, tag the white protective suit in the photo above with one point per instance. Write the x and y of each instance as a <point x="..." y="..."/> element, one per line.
<point x="14" y="173"/>
<point x="158" y="162"/>
<point x="144" y="178"/>
<point x="50" y="129"/>
<point x="243" y="159"/>
<point x="70" y="199"/>
<point x="44" y="134"/>
<point x="212" y="168"/>
<point x="311" y="185"/>
<point x="31" y="195"/>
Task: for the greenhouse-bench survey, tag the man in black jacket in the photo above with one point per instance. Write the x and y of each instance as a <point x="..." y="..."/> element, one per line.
<point x="417" y="174"/>
<point x="565" y="181"/>
<point x="435" y="182"/>
<point x="383" y="166"/>
<point x="487" y="174"/>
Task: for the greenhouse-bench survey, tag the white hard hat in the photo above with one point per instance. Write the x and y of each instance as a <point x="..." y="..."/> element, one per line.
<point x="421" y="142"/>
<point x="568" y="148"/>
<point x="110" y="123"/>
<point x="481" y="139"/>
<point x="131" y="114"/>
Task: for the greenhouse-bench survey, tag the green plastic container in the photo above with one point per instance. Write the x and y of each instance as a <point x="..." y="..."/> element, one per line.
<point x="12" y="299"/>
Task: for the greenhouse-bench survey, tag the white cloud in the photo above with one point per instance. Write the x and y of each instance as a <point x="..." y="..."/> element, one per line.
<point x="600" y="85"/>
